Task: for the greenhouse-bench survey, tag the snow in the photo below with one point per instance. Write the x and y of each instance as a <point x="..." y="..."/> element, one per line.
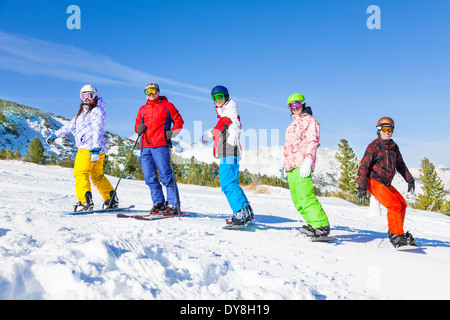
<point x="46" y="255"/>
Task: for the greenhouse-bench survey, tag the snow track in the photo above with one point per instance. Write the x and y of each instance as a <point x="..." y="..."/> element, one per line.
<point x="44" y="255"/>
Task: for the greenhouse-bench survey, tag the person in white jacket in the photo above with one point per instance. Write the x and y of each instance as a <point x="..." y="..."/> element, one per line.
<point x="88" y="126"/>
<point x="226" y="135"/>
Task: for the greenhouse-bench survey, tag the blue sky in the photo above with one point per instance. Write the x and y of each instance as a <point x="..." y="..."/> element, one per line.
<point x="261" y="50"/>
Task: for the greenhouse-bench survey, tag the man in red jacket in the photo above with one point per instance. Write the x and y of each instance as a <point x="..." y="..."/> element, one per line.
<point x="154" y="123"/>
<point x="378" y="166"/>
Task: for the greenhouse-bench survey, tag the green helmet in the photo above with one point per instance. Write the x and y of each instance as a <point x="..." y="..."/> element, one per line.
<point x="295" y="97"/>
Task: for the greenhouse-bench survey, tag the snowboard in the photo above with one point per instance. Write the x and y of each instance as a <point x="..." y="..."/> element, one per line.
<point x="323" y="239"/>
<point x="410" y="248"/>
<point x="238" y="226"/>
<point x="314" y="238"/>
<point x="72" y="213"/>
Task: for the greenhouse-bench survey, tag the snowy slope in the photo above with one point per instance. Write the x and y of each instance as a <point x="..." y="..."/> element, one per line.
<point x="44" y="255"/>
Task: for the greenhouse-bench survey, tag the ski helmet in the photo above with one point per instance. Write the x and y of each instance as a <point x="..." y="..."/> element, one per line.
<point x="295" y="97"/>
<point x="89" y="89"/>
<point x="221" y="89"/>
<point x="385" y="121"/>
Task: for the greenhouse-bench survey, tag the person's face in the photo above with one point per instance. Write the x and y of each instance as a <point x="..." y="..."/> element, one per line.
<point x="219" y="100"/>
<point x="296" y="107"/>
<point x="153" y="95"/>
<point x="386" y="132"/>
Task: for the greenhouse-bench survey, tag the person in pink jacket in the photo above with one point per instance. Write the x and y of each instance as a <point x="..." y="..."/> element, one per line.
<point x="302" y="141"/>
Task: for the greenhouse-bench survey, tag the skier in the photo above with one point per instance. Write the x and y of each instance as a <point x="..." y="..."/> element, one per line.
<point x="226" y="135"/>
<point x="88" y="125"/>
<point x="381" y="160"/>
<point x="154" y="123"/>
<point x="302" y="141"/>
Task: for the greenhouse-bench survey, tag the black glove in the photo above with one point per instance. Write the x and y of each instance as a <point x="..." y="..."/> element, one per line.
<point x="361" y="197"/>
<point x="171" y="134"/>
<point x="141" y="128"/>
<point x="411" y="186"/>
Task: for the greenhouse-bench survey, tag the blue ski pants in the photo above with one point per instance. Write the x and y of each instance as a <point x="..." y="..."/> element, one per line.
<point x="229" y="182"/>
<point x="158" y="158"/>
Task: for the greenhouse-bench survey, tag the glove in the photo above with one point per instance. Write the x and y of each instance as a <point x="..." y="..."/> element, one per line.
<point x="411" y="186"/>
<point x="171" y="134"/>
<point x="361" y="197"/>
<point x="233" y="139"/>
<point x="51" y="139"/>
<point x="305" y="170"/>
<point x="95" y="155"/>
<point x="141" y="128"/>
<point x="207" y="137"/>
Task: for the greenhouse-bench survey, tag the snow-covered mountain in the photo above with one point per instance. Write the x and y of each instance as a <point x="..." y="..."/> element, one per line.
<point x="21" y="124"/>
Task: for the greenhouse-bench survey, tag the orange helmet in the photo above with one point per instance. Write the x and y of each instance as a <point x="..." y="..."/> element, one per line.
<point x="386" y="121"/>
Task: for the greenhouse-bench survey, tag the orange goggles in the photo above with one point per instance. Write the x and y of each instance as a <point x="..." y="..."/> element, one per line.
<point x="386" y="128"/>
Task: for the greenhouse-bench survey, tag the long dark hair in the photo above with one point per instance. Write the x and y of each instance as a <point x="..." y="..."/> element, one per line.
<point x="91" y="106"/>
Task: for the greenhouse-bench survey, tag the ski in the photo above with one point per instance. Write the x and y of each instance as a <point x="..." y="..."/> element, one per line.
<point x="152" y="216"/>
<point x="72" y="213"/>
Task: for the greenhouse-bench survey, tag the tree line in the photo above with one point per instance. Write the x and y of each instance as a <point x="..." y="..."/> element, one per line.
<point x="191" y="171"/>
<point x="432" y="198"/>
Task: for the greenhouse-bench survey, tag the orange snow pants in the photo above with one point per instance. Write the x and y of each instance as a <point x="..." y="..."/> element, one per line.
<point x="393" y="201"/>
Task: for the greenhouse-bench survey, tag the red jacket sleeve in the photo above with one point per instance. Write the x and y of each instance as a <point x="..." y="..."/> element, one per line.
<point x="177" y="118"/>
<point x="138" y="119"/>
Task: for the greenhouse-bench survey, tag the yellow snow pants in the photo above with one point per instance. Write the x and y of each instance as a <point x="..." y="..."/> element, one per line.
<point x="86" y="170"/>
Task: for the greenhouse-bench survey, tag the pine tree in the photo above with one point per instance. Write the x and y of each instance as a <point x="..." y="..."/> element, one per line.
<point x="35" y="152"/>
<point x="348" y="180"/>
<point x="433" y="196"/>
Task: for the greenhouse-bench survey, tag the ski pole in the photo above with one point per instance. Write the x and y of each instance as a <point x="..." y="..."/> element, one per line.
<point x="173" y="177"/>
<point x="123" y="171"/>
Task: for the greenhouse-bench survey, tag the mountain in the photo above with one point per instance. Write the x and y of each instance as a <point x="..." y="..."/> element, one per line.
<point x="19" y="124"/>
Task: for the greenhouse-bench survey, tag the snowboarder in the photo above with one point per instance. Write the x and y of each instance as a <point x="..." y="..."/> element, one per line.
<point x="227" y="148"/>
<point x="89" y="125"/>
<point x="381" y="160"/>
<point x="154" y="123"/>
<point x="302" y="141"/>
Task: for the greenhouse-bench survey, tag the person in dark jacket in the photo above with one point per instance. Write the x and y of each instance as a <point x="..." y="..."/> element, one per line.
<point x="381" y="160"/>
<point x="154" y="123"/>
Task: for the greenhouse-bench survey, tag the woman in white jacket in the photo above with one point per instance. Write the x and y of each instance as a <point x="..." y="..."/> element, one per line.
<point x="89" y="126"/>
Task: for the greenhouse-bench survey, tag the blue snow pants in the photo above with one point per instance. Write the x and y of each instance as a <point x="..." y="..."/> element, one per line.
<point x="158" y="158"/>
<point x="229" y="182"/>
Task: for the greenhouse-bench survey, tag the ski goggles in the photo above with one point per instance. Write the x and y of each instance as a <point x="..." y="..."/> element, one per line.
<point x="218" y="97"/>
<point x="295" y="105"/>
<point x="87" y="95"/>
<point x="151" y="90"/>
<point x="386" y="128"/>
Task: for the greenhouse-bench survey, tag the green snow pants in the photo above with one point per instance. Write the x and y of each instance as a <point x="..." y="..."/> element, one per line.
<point x="302" y="193"/>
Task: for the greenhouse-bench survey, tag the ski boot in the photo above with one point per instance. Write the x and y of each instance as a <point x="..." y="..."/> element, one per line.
<point x="172" y="210"/>
<point x="405" y="239"/>
<point x="242" y="216"/>
<point x="112" y="202"/>
<point x="315" y="232"/>
<point x="158" y="208"/>
<point x="87" y="206"/>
